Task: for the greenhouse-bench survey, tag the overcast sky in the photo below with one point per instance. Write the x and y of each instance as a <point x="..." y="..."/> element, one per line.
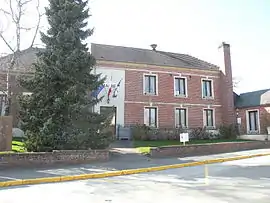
<point x="195" y="27"/>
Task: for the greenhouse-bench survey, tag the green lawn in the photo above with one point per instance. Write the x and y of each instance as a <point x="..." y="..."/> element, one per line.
<point x="17" y="146"/>
<point x="144" y="146"/>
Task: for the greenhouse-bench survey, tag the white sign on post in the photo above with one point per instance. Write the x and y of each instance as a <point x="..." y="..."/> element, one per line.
<point x="238" y="120"/>
<point x="184" y="137"/>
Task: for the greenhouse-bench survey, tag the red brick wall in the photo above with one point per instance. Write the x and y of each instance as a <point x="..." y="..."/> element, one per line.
<point x="134" y="88"/>
<point x="134" y="113"/>
<point x="166" y="112"/>
<point x="263" y="114"/>
<point x="226" y="88"/>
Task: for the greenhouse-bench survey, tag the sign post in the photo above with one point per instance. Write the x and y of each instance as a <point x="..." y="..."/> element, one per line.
<point x="184" y="138"/>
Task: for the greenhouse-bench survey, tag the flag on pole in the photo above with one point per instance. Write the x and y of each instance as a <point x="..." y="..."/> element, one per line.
<point x="96" y="92"/>
<point x="116" y="90"/>
<point x="109" y="93"/>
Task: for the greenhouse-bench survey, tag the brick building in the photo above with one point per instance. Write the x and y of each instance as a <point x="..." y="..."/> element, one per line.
<point x="160" y="89"/>
<point x="22" y="66"/>
<point x="163" y="89"/>
<point x="253" y="113"/>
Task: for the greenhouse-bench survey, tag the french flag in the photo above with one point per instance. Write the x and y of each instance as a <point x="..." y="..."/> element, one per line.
<point x="99" y="89"/>
<point x="116" y="90"/>
<point x="109" y="91"/>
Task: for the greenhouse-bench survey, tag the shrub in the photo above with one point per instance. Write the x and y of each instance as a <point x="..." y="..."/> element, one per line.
<point x="140" y="132"/>
<point x="202" y="134"/>
<point x="168" y="134"/>
<point x="229" y="131"/>
<point x="143" y="132"/>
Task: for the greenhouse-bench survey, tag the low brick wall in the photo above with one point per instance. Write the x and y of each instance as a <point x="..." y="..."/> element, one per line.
<point x="51" y="158"/>
<point x="207" y="149"/>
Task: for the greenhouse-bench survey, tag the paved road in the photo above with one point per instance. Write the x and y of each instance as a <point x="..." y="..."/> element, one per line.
<point x="120" y="161"/>
<point x="231" y="182"/>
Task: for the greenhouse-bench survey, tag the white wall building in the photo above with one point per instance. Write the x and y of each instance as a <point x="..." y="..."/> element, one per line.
<point x="113" y="77"/>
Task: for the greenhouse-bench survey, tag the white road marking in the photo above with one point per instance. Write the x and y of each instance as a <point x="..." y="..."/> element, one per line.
<point x="9" y="178"/>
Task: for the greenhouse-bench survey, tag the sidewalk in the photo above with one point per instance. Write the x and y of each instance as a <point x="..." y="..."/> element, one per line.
<point x="122" y="158"/>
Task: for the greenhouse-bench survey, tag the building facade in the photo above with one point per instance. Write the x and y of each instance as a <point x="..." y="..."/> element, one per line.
<point x="162" y="89"/>
<point x="253" y="113"/>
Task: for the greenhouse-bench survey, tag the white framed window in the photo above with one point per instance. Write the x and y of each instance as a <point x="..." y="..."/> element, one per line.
<point x="209" y="118"/>
<point x="180" y="86"/>
<point x="207" y="88"/>
<point x="151" y="116"/>
<point x="253" y="121"/>
<point x="150" y="84"/>
<point x="181" y="118"/>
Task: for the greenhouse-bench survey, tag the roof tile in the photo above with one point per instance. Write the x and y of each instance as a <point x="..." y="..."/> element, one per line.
<point x="146" y="56"/>
<point x="118" y="54"/>
<point x="252" y="99"/>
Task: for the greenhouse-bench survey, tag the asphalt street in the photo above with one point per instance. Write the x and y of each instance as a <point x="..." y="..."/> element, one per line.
<point x="118" y="162"/>
<point x="245" y="180"/>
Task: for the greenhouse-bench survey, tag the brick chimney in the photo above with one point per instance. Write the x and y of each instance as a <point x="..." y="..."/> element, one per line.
<point x="227" y="59"/>
<point x="226" y="83"/>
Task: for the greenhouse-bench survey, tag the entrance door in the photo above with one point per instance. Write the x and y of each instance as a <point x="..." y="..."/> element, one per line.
<point x="107" y="109"/>
<point x="253" y="121"/>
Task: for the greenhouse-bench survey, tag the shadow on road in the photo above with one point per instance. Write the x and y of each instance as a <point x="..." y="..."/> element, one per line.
<point x="123" y="156"/>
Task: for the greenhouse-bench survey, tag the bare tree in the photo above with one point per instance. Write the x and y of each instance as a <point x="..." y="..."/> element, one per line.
<point x="236" y="81"/>
<point x="15" y="11"/>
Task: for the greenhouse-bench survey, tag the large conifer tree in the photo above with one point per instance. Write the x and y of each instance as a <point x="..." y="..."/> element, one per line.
<point x="58" y="113"/>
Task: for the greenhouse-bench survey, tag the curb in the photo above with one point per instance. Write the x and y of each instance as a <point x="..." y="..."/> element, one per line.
<point x="122" y="172"/>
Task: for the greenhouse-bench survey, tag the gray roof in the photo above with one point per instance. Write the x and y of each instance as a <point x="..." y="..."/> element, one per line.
<point x="23" y="62"/>
<point x="147" y="56"/>
<point x="252" y="99"/>
<point x="117" y="54"/>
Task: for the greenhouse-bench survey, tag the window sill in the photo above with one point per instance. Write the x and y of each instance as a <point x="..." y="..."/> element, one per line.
<point x="150" y="94"/>
<point x="206" y="98"/>
<point x="180" y="96"/>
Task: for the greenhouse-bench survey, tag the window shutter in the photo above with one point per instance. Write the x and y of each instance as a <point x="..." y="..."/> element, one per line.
<point x="152" y="84"/>
<point x="203" y="88"/>
<point x="177" y="121"/>
<point x="145" y="85"/>
<point x="176" y="88"/>
<point x="210" y="118"/>
<point x="182" y="86"/>
<point x="183" y="117"/>
<point x="146" y="116"/>
<point x="204" y="118"/>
